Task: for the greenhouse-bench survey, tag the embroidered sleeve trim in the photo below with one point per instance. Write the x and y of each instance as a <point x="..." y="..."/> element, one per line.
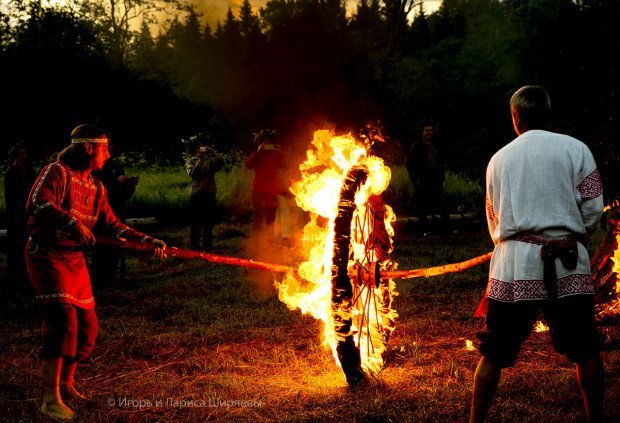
<point x="591" y="186"/>
<point x="36" y="190"/>
<point x="82" y="216"/>
<point x="71" y="223"/>
<point x="63" y="295"/>
<point x="490" y="210"/>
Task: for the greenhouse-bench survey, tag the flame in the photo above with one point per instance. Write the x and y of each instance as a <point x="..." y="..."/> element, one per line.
<point x="317" y="192"/>
<point x="616" y="260"/>
<point x="469" y="345"/>
<point x="612" y="307"/>
<point x="540" y="327"/>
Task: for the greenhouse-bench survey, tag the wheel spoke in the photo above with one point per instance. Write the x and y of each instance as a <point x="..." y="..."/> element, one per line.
<point x="369" y="344"/>
<point x="358" y="295"/>
<point x="379" y="322"/>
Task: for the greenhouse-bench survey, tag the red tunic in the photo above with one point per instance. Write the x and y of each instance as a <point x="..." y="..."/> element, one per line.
<point x="267" y="165"/>
<point x="59" y="201"/>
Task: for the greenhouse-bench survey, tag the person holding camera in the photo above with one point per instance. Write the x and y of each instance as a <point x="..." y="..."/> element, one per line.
<point x="201" y="167"/>
<point x="266" y="162"/>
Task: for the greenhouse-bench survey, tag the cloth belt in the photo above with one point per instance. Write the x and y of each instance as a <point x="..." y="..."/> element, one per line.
<point x="565" y="249"/>
<point x="34" y="246"/>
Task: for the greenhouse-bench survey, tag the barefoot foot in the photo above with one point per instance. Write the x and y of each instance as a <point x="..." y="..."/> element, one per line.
<point x="72" y="393"/>
<point x="57" y="411"/>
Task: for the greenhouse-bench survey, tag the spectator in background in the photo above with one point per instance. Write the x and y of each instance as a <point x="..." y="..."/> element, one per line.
<point x="18" y="181"/>
<point x="427" y="173"/>
<point x="63" y="206"/>
<point x="287" y="214"/>
<point x="120" y="188"/>
<point x="201" y="167"/>
<point x="266" y="162"/>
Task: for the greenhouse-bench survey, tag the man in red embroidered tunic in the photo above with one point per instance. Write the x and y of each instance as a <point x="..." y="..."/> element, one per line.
<point x="64" y="205"/>
<point x="544" y="198"/>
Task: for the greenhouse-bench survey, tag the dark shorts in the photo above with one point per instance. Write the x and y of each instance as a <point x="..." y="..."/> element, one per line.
<point x="571" y="324"/>
<point x="68" y="331"/>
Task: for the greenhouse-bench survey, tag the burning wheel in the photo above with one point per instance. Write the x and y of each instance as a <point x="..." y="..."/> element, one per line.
<point x="361" y="300"/>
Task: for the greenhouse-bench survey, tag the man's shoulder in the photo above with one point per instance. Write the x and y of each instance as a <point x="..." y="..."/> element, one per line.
<point x="542" y="135"/>
<point x="417" y="148"/>
<point x="56" y="167"/>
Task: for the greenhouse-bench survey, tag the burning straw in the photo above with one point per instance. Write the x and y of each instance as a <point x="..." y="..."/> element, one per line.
<point x="605" y="265"/>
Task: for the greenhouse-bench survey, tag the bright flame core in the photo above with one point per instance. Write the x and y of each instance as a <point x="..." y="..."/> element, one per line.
<point x="317" y="192"/>
<point x="613" y="306"/>
<point x="540" y="327"/>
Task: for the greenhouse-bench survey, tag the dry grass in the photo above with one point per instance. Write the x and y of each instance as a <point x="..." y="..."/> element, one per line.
<point x="194" y="336"/>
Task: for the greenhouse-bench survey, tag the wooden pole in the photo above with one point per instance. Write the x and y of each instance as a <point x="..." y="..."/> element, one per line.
<point x="279" y="268"/>
<point x="194" y="255"/>
<point x="439" y="270"/>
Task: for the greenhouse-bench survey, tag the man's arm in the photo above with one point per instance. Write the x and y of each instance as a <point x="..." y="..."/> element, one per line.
<point x="46" y="197"/>
<point x="492" y="219"/>
<point x="193" y="167"/>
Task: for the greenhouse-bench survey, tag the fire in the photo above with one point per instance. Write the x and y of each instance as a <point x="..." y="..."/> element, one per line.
<point x="616" y="260"/>
<point x="323" y="174"/>
<point x="540" y="327"/>
<point x="613" y="306"/>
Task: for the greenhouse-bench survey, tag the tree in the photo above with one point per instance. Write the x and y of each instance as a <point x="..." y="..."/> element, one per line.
<point x="249" y="23"/>
<point x="396" y="13"/>
<point x="144" y="60"/>
<point x="115" y="20"/>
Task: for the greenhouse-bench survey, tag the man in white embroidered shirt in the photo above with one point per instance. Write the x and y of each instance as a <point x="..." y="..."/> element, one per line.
<point x="544" y="198"/>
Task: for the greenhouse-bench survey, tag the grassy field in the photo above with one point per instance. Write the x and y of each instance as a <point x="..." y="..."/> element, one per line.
<point x="191" y="341"/>
<point x="163" y="191"/>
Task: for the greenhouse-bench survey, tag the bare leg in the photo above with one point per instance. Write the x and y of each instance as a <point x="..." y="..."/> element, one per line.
<point x="53" y="406"/>
<point x="590" y="378"/>
<point x="68" y="371"/>
<point x="486" y="379"/>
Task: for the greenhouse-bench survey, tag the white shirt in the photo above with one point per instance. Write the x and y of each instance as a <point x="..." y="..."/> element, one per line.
<point x="546" y="185"/>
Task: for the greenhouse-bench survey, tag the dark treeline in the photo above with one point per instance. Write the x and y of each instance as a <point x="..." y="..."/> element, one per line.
<point x="299" y="64"/>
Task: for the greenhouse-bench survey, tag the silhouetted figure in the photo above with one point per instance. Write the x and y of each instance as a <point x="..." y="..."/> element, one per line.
<point x="120" y="188"/>
<point x="18" y="181"/>
<point x="427" y="173"/>
<point x="201" y="167"/>
<point x="266" y="162"/>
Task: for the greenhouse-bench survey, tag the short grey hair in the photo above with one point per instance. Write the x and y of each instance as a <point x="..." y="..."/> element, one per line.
<point x="533" y="104"/>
